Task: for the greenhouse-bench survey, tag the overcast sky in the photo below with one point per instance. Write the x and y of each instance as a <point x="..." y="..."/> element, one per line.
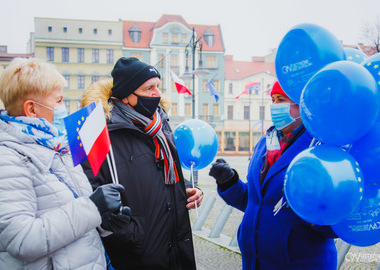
<point x="249" y="27"/>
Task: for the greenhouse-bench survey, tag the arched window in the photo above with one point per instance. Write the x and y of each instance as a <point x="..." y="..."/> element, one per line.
<point x="135" y="34"/>
<point x="209" y="37"/>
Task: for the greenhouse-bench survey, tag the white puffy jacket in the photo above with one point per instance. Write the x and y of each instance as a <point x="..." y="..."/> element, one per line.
<point x="42" y="225"/>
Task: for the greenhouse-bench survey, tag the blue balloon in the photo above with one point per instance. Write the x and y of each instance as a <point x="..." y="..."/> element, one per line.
<point x="366" y="151"/>
<point x="354" y="55"/>
<point x="362" y="227"/>
<point x="323" y="184"/>
<point x="196" y="143"/>
<point x="303" y="51"/>
<point x="340" y="103"/>
<point x="372" y="64"/>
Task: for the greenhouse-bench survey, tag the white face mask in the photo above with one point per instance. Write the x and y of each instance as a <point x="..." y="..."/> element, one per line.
<point x="60" y="112"/>
<point x="281" y="117"/>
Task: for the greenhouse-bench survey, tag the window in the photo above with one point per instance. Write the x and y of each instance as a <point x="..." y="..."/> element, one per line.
<point x="94" y="78"/>
<point x="80" y="30"/>
<point x="230" y="88"/>
<point x="161" y="58"/>
<point x="65" y="55"/>
<point x="174" y="109"/>
<point x="64" y="29"/>
<point x="174" y="63"/>
<point x="135" y="33"/>
<point x="184" y="39"/>
<point x="95" y="55"/>
<point x="137" y="55"/>
<point x="216" y="84"/>
<point x="175" y="38"/>
<point x="187" y="109"/>
<point x="80" y="81"/>
<point x="205" y="111"/>
<point x="80" y="55"/>
<point x="109" y="56"/>
<point x="230" y="112"/>
<point x="165" y="38"/>
<point x="262" y="112"/>
<point x="67" y="78"/>
<point x="50" y="28"/>
<point x="246" y="112"/>
<point x="211" y="62"/>
<point x="50" y="53"/>
<point x="109" y="32"/>
<point x="209" y="37"/>
<point x="95" y="31"/>
<point x="216" y="109"/>
<point x="67" y="105"/>
<point x="204" y="88"/>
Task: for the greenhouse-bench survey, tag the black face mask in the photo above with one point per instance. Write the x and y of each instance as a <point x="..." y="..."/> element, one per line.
<point x="147" y="106"/>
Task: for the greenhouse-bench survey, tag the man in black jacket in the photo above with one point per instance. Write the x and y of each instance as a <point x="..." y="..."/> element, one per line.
<point x="159" y="234"/>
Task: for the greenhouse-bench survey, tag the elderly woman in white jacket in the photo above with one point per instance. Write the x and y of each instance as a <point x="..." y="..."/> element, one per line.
<point x="48" y="213"/>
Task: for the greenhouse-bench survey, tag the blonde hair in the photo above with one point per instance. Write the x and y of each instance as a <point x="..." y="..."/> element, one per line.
<point x="103" y="90"/>
<point x="27" y="78"/>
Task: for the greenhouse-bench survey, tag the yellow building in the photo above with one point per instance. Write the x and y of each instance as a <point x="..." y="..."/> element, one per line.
<point x="84" y="51"/>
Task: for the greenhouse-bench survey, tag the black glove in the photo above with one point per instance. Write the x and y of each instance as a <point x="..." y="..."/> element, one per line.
<point x="107" y="198"/>
<point x="116" y="222"/>
<point x="224" y="175"/>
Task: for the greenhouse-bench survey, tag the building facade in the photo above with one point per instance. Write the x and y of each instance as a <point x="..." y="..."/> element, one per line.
<point x="83" y="51"/>
<point x="166" y="44"/>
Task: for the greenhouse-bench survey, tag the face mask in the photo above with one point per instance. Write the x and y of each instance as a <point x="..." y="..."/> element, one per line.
<point x="281" y="117"/>
<point x="59" y="113"/>
<point x="147" y="106"/>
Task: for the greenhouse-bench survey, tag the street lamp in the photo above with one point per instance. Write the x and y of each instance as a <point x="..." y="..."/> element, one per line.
<point x="199" y="72"/>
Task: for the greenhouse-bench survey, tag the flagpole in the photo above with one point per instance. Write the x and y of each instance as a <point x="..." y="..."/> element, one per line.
<point x="249" y="120"/>
<point x="111" y="171"/>
<point x="114" y="165"/>
<point x="262" y="106"/>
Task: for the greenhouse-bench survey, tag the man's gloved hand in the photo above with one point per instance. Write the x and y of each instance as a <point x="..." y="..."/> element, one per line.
<point x="107" y="198"/>
<point x="224" y="175"/>
<point x="116" y="222"/>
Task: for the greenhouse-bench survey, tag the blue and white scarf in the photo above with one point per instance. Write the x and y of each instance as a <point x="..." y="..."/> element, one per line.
<point x="41" y="130"/>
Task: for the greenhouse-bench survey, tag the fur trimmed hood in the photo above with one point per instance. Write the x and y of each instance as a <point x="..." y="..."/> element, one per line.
<point x="103" y="89"/>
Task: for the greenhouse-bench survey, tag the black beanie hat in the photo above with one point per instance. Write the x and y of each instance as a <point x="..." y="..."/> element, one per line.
<point x="129" y="74"/>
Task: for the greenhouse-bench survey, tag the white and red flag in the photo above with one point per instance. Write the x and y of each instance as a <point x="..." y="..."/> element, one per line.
<point x="179" y="84"/>
<point x="95" y="138"/>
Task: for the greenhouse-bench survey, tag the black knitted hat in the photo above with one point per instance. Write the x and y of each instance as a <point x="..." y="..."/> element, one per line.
<point x="129" y="74"/>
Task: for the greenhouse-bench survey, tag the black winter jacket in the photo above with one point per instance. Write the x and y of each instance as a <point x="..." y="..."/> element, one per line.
<point x="159" y="236"/>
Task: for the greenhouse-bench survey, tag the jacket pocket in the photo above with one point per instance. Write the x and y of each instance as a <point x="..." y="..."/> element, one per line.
<point x="285" y="245"/>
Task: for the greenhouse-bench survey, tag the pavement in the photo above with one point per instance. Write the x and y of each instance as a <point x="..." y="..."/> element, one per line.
<point x="211" y="256"/>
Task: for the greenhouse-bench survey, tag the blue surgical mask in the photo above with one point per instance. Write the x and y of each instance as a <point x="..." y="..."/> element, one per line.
<point x="281" y="117"/>
<point x="60" y="113"/>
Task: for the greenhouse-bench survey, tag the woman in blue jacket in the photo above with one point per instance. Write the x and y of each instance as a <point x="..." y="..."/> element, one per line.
<point x="271" y="235"/>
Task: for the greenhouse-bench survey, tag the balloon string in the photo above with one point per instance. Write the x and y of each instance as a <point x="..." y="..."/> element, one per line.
<point x="192" y="181"/>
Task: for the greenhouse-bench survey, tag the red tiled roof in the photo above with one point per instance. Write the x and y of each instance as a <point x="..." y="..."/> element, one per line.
<point x="237" y="70"/>
<point x="170" y="18"/>
<point x="147" y="28"/>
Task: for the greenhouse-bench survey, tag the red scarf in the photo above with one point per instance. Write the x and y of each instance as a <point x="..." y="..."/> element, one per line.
<point x="276" y="146"/>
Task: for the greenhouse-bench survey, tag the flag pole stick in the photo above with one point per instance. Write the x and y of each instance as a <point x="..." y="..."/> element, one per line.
<point x="114" y="165"/>
<point x="111" y="171"/>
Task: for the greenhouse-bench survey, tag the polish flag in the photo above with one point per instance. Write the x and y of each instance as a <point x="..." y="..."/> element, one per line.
<point x="179" y="84"/>
<point x="95" y="138"/>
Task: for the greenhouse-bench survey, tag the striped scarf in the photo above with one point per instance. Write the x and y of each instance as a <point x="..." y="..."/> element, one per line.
<point x="152" y="127"/>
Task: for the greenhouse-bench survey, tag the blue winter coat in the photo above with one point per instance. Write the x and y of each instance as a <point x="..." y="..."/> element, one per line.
<point x="281" y="241"/>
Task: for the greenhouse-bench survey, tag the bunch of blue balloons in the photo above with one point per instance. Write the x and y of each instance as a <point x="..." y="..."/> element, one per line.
<point x="338" y="90"/>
